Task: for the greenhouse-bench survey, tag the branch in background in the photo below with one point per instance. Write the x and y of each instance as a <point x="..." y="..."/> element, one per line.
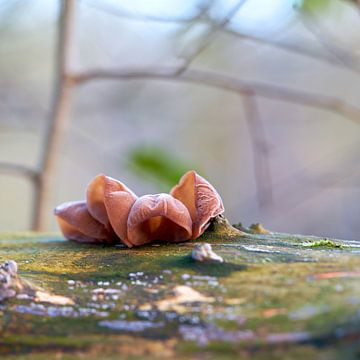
<point x="207" y="39"/>
<point x="225" y="82"/>
<point x="259" y="144"/>
<point x="248" y="90"/>
<point x="293" y="48"/>
<point x="18" y="170"/>
<point x="200" y="16"/>
<point x="121" y="12"/>
<point x="312" y="180"/>
<point x="355" y="4"/>
<point x="66" y="81"/>
<point x="341" y="53"/>
<point x="58" y="115"/>
<point x="336" y="54"/>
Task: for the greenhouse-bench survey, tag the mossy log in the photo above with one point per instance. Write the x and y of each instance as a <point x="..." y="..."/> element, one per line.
<point x="274" y="296"/>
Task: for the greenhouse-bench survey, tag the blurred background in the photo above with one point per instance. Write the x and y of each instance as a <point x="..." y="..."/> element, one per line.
<point x="286" y="156"/>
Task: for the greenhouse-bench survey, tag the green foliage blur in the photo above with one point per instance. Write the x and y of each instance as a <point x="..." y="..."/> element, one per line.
<point x="314" y="6"/>
<point x="158" y="165"/>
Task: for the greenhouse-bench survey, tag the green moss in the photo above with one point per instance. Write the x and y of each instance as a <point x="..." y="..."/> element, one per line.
<point x="324" y="242"/>
<point x="265" y="280"/>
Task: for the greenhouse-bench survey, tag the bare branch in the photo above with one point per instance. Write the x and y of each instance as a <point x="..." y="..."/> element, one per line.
<point x="338" y="56"/>
<point x="120" y="12"/>
<point x="312" y="179"/>
<point x="261" y="164"/>
<point x="214" y="28"/>
<point x="294" y="48"/>
<point x="18" y="170"/>
<point x="341" y="53"/>
<point x="227" y="83"/>
<point x="355" y="4"/>
<point x="66" y="81"/>
<point x="334" y="56"/>
<point x="58" y="115"/>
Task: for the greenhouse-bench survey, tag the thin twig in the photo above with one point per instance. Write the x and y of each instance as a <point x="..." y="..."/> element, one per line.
<point x="292" y="48"/>
<point x="66" y="81"/>
<point x="18" y="170"/>
<point x="261" y="164"/>
<point x="312" y="180"/>
<point x="225" y="82"/>
<point x="335" y="57"/>
<point x="58" y="116"/>
<point x="214" y="28"/>
<point x="355" y="4"/>
<point x="326" y="40"/>
<point x="121" y="12"/>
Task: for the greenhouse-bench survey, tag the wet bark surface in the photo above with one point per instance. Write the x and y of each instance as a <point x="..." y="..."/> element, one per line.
<point x="273" y="296"/>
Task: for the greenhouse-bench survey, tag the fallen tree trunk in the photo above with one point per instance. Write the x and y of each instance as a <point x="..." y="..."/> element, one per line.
<point x="271" y="290"/>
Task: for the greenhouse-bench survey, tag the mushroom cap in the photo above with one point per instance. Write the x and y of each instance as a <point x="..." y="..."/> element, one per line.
<point x="201" y="199"/>
<point x="113" y="211"/>
<point x="109" y="201"/>
<point x="76" y="223"/>
<point x="158" y="217"/>
<point x="95" y="196"/>
<point x="118" y="203"/>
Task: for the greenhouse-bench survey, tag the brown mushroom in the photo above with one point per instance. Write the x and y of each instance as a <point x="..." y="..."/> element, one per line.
<point x="118" y="201"/>
<point x="158" y="217"/>
<point x="112" y="211"/>
<point x="76" y="223"/>
<point x="200" y="197"/>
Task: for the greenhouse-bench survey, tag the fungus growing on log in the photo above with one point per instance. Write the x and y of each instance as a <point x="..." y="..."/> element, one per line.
<point x="112" y="213"/>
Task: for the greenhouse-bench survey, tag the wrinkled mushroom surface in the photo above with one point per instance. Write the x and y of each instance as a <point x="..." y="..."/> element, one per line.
<point x="76" y="223"/>
<point x="113" y="213"/>
<point x="202" y="200"/>
<point x="158" y="217"/>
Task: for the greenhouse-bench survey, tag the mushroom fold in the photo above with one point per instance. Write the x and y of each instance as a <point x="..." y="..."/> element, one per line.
<point x="76" y="223"/>
<point x="118" y="200"/>
<point x="113" y="213"/>
<point x="202" y="200"/>
<point x="158" y="217"/>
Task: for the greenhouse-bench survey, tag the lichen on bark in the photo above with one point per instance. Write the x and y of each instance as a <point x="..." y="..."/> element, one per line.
<point x="271" y="295"/>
